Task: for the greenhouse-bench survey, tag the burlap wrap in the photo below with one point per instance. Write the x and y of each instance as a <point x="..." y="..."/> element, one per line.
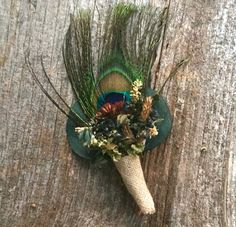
<point x="131" y="172"/>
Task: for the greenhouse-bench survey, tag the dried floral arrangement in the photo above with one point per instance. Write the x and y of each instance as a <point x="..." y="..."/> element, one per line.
<point x="122" y="124"/>
<point x="116" y="115"/>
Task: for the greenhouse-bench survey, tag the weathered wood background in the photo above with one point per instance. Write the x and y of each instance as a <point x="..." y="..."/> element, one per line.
<point x="192" y="177"/>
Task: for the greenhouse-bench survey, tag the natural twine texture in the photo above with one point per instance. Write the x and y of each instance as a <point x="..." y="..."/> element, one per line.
<point x="131" y="172"/>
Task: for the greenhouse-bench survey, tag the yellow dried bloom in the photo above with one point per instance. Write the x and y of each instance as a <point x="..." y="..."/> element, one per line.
<point x="135" y="92"/>
<point x="153" y="131"/>
<point x="135" y="95"/>
<point x="138" y="84"/>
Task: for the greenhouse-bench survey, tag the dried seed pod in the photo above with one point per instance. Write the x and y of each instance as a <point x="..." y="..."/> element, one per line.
<point x="146" y="108"/>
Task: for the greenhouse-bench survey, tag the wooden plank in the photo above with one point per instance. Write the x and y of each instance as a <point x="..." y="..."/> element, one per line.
<point x="201" y="188"/>
<point x="192" y="176"/>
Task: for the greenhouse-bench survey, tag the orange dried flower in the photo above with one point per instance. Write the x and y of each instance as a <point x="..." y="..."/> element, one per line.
<point x="146" y="108"/>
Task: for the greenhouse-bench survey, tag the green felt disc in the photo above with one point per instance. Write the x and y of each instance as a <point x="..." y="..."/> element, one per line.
<point x="77" y="141"/>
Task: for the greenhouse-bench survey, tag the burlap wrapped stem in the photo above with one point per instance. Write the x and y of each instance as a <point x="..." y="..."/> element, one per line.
<point x="131" y="172"/>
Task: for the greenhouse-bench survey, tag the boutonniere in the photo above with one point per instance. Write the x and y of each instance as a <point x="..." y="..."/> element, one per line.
<point x="116" y="116"/>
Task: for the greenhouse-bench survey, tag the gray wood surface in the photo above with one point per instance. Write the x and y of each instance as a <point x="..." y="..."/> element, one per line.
<point x="192" y="177"/>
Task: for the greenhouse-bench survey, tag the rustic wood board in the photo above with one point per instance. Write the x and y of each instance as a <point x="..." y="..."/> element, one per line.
<point x="192" y="177"/>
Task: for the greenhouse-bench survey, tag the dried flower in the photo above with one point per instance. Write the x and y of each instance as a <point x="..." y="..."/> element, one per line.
<point x="122" y="119"/>
<point x="135" y="95"/>
<point x="153" y="131"/>
<point x="106" y="146"/>
<point x="109" y="109"/>
<point x="138" y="84"/>
<point x="81" y="129"/>
<point x="146" y="108"/>
<point x="93" y="141"/>
<point x="135" y="92"/>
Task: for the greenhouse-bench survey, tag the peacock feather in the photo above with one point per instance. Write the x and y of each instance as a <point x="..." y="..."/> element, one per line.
<point x="125" y="53"/>
<point x="102" y="76"/>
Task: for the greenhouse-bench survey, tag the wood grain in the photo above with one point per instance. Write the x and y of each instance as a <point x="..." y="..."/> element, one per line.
<point x="192" y="176"/>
